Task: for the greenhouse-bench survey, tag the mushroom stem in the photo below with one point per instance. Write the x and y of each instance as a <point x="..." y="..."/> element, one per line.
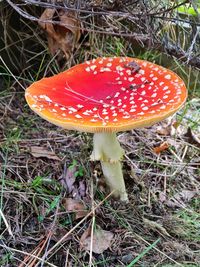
<point x="107" y="149"/>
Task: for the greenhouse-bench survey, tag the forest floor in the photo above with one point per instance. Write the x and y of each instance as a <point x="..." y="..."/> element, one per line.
<point x="53" y="201"/>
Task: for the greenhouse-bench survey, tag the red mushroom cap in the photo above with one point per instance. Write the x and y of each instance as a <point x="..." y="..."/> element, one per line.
<point x="108" y="95"/>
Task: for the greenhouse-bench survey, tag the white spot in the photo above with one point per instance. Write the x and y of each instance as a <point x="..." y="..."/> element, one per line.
<point x="130" y="79"/>
<point x="163" y="107"/>
<point x="87" y="69"/>
<point x="165" y="96"/>
<point x="86" y="113"/>
<point x="126" y="116"/>
<point x="154" y="95"/>
<point x="119" y="68"/>
<point x="78" y="116"/>
<point x="93" y="67"/>
<point x="109" y="64"/>
<point x="115" y="119"/>
<point x="155" y="78"/>
<point x="143" y="79"/>
<point x="141" y="72"/>
<point x="63" y="114"/>
<point x="168" y="76"/>
<point x="141" y="113"/>
<point x="117" y="94"/>
<point x="95" y="72"/>
<point x="34" y="106"/>
<point x="145" y="108"/>
<point x="93" y="120"/>
<point x="72" y="109"/>
<point x="54" y="110"/>
<point x="161" y="83"/>
<point x="143" y="93"/>
<point x="165" y="88"/>
<point x="45" y="97"/>
<point x="133" y="110"/>
<point x="80" y="106"/>
<point x="104" y="69"/>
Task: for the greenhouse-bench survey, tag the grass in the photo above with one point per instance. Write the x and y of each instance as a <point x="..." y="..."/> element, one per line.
<point x="148" y="231"/>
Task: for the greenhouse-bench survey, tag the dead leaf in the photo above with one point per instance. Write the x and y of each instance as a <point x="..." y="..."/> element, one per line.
<point x="68" y="178"/>
<point x="101" y="240"/>
<point x="41" y="152"/>
<point x="76" y="206"/>
<point x="162" y="147"/>
<point x="179" y="200"/>
<point x="63" y="30"/>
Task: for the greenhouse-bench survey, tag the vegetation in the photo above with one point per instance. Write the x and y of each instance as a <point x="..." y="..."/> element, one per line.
<point x="54" y="208"/>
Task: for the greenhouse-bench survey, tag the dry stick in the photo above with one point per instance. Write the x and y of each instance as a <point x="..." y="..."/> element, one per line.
<point x="93" y="222"/>
<point x="6" y="223"/>
<point x="70" y="231"/>
<point x="37" y="250"/>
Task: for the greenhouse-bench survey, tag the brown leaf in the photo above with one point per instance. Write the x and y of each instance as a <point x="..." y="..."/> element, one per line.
<point x="181" y="198"/>
<point x="41" y="152"/>
<point x="101" y="240"/>
<point x="76" y="206"/>
<point x="68" y="178"/>
<point x="162" y="147"/>
<point x="63" y="30"/>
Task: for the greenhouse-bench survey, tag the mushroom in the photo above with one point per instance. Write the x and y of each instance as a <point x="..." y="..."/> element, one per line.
<point x="104" y="96"/>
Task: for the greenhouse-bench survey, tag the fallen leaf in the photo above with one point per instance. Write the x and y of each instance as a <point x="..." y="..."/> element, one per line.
<point x="63" y="30"/>
<point x="179" y="200"/>
<point x="162" y="147"/>
<point x="68" y="178"/>
<point x="73" y="181"/>
<point x="41" y="152"/>
<point x="101" y="240"/>
<point x="76" y="206"/>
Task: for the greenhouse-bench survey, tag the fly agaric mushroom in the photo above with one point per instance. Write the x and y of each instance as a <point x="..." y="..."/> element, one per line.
<point x="104" y="96"/>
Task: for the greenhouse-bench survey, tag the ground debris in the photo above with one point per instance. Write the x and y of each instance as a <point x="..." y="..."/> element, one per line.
<point x="101" y="240"/>
<point x="162" y="147"/>
<point x="180" y="199"/>
<point x="75" y="206"/>
<point x="155" y="226"/>
<point x="42" y="152"/>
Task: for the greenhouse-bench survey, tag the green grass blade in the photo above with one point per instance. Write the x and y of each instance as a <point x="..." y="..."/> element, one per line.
<point x="143" y="253"/>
